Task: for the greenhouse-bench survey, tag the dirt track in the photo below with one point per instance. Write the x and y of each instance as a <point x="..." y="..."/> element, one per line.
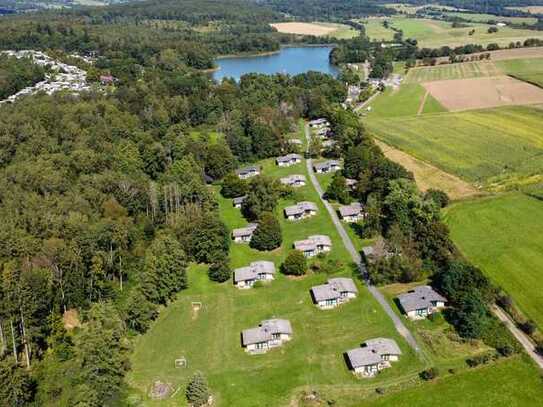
<point x="480" y="93"/>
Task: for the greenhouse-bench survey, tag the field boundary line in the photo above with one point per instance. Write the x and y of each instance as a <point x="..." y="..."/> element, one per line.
<point x="423" y="102"/>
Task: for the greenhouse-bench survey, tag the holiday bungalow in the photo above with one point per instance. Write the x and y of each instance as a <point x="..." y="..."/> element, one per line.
<point x="248" y="172"/>
<point x="245" y="277"/>
<point x="301" y="210"/>
<point x="288" y="160"/>
<point x="269" y="334"/>
<point x="373" y="356"/>
<point x="352" y="212"/>
<point x="295" y="180"/>
<point x="327" y="166"/>
<point x="237" y="202"/>
<point x="317" y="123"/>
<point x="314" y="245"/>
<point x="421" y="302"/>
<point x="244" y="235"/>
<point x="336" y="291"/>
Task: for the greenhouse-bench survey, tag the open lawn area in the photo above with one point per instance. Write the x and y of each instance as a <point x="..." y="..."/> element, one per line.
<point x="434" y="33"/>
<point x="405" y="101"/>
<point x="512" y="382"/>
<point x="495" y="148"/>
<point x="503" y="237"/>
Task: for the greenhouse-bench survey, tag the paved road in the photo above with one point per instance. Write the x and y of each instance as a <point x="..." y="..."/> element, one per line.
<point x="400" y="327"/>
<point x="519" y="335"/>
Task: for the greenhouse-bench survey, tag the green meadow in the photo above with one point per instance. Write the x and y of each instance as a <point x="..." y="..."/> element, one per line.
<point x="502" y="236"/>
<point x="435" y="33"/>
<point x="405" y="101"/>
<point x="453" y="71"/>
<point x="512" y="382"/>
<point x="530" y="70"/>
<point x="494" y="148"/>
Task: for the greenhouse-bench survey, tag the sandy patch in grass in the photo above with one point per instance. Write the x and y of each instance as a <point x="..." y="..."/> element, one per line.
<point x="480" y="93"/>
<point x="429" y="177"/>
<point x="303" y="28"/>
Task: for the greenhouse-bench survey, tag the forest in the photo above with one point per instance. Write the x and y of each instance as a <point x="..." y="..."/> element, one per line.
<point x="16" y="74"/>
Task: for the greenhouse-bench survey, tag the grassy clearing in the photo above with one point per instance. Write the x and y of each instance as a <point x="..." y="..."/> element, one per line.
<point x="495" y="148"/>
<point x="404" y="101"/>
<point x="434" y="33"/>
<point x="210" y="340"/>
<point x="453" y="71"/>
<point x="503" y="237"/>
<point x="512" y="382"/>
<point x="530" y="70"/>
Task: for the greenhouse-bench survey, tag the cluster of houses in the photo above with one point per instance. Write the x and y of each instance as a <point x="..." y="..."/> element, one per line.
<point x="62" y="76"/>
<point x="373" y="356"/>
<point x="246" y="277"/>
<point x="321" y="127"/>
<point x="301" y="210"/>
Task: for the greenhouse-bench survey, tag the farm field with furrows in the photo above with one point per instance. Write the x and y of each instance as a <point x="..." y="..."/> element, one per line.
<point x="502" y="235"/>
<point x="493" y="148"/>
<point x="319" y="29"/>
<point x="453" y="71"/>
<point x="434" y="33"/>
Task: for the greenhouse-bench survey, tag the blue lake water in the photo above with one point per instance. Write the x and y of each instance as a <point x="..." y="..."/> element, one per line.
<point x="290" y="60"/>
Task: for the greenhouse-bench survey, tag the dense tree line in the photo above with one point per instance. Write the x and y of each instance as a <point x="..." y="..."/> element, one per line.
<point x="318" y="10"/>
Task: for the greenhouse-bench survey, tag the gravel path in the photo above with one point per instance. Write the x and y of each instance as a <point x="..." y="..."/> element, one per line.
<point x="400" y="327"/>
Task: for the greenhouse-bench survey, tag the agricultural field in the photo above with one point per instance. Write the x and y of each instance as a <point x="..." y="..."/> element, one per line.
<point x="434" y="33"/>
<point x="502" y="236"/>
<point x="463" y="70"/>
<point x="529" y="70"/>
<point x="483" y="18"/>
<point x="429" y="176"/>
<point x="512" y="382"/>
<point x="319" y="29"/>
<point x="494" y="148"/>
<point x="529" y="9"/>
<point x="408" y="100"/>
<point x="210" y="338"/>
<point x="481" y="93"/>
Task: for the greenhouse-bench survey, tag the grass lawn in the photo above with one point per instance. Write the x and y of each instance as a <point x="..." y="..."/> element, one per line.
<point x="434" y="33"/>
<point x="210" y="338"/>
<point x="503" y="237"/>
<point x="514" y="382"/>
<point x="404" y="101"/>
<point x="494" y="148"/>
<point x="453" y="71"/>
<point x="530" y="70"/>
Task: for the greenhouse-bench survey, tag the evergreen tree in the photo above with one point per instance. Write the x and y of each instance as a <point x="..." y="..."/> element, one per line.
<point x="210" y="240"/>
<point x="16" y="386"/>
<point x="295" y="264"/>
<point x="267" y="235"/>
<point x="197" y="391"/>
<point x="232" y="186"/>
<point x="262" y="197"/>
<point x="139" y="312"/>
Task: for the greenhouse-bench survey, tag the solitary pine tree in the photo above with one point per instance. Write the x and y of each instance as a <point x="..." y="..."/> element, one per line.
<point x="197" y="391"/>
<point x="267" y="235"/>
<point x="295" y="264"/>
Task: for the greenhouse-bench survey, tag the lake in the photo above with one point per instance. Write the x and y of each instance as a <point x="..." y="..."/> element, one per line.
<point x="290" y="60"/>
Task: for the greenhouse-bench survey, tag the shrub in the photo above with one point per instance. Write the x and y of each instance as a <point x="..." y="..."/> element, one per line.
<point x="480" y="359"/>
<point x="232" y="186"/>
<point x="295" y="264"/>
<point x="219" y="272"/>
<point x="429" y="374"/>
<point x="440" y="198"/>
<point x="528" y="327"/>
